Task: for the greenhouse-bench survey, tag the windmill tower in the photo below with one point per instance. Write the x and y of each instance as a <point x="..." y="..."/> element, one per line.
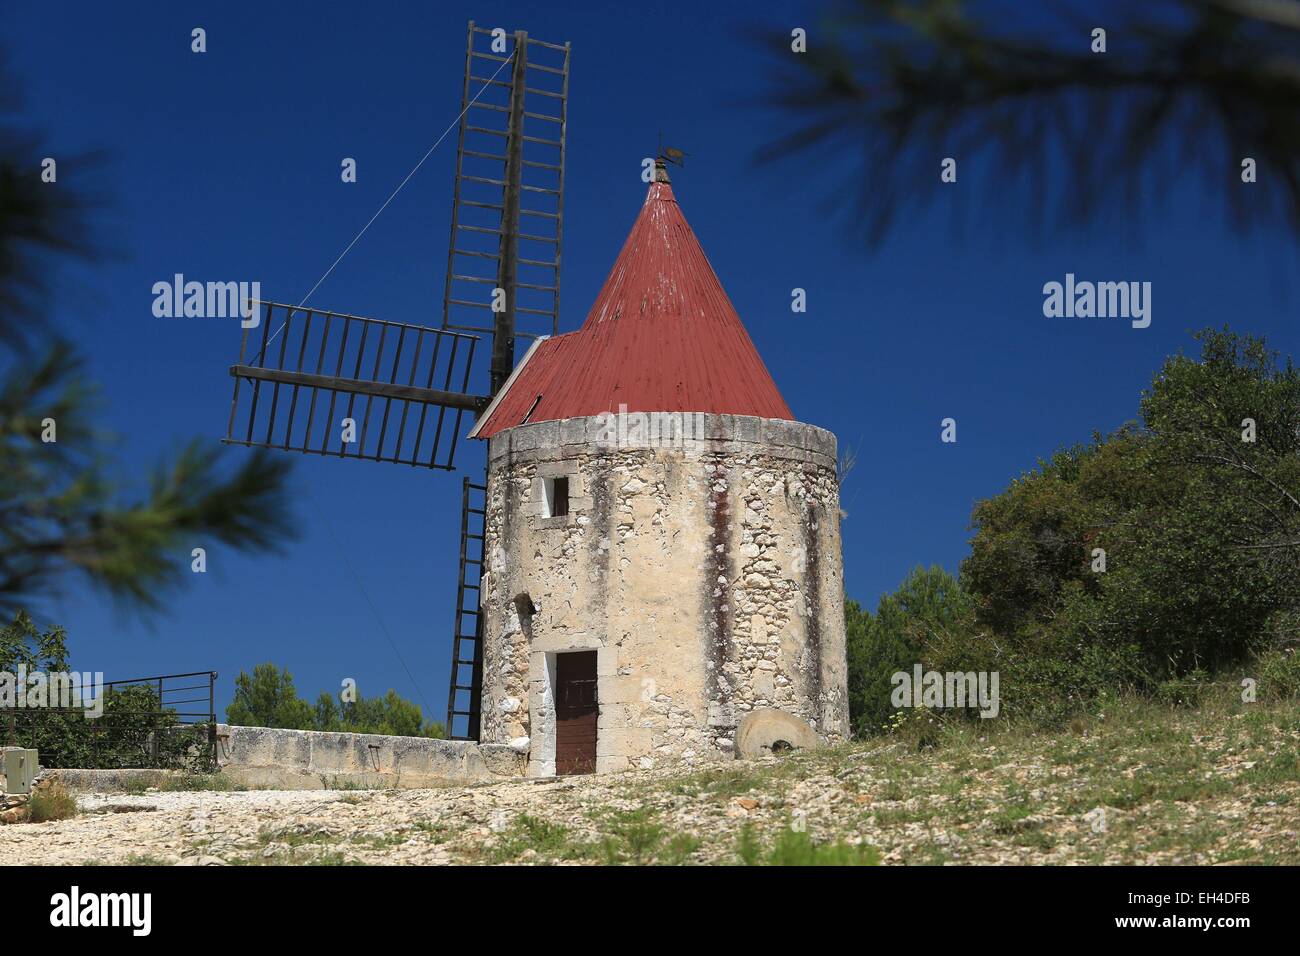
<point x="328" y="383"/>
<point x="664" y="574"/>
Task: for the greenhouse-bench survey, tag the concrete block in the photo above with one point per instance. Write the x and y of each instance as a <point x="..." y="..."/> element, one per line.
<point x="573" y="431"/>
<point x="778" y="433"/>
<point x="719" y="427"/>
<point x="825" y="443"/>
<point x="269" y="747"/>
<point x="544" y="434"/>
<point x="606" y="661"/>
<point x="298" y="759"/>
<point x="748" y="428"/>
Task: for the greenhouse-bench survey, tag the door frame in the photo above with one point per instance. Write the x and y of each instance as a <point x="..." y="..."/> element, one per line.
<point x="542" y="674"/>
<point x="593" y="661"/>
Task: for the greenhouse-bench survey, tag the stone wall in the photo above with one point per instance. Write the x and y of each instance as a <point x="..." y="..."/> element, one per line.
<point x="705" y="572"/>
<point x="308" y="759"/>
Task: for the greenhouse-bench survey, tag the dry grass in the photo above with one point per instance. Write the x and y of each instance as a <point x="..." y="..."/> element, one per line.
<point x="51" y="802"/>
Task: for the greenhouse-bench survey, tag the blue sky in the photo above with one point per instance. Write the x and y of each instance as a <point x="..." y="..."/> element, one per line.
<point x="225" y="166"/>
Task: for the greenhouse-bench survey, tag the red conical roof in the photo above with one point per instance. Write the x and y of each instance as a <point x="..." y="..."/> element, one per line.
<point x="662" y="336"/>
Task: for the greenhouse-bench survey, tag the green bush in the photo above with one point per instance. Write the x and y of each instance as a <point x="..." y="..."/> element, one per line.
<point x="1191" y="690"/>
<point x="1141" y="561"/>
<point x="797" y="848"/>
<point x="929" y="618"/>
<point x="1279" y="674"/>
<point x="122" y="736"/>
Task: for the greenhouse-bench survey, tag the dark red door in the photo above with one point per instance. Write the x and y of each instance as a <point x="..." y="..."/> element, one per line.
<point x="575" y="712"/>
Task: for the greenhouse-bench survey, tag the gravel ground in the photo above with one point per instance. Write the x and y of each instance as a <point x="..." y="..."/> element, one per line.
<point x="1140" y="787"/>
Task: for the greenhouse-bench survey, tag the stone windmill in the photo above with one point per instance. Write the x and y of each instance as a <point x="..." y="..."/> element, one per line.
<point x="651" y="568"/>
<point x="664" y="560"/>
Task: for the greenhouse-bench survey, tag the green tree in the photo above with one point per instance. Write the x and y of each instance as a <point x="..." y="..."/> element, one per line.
<point x="929" y="620"/>
<point x="388" y="714"/>
<point x="135" y="729"/>
<point x="59" y="512"/>
<point x="1245" y="492"/>
<point x="269" y="699"/>
<point x="1169" y="547"/>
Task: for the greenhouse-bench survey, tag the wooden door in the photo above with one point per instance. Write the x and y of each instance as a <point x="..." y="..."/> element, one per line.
<point x="575" y="712"/>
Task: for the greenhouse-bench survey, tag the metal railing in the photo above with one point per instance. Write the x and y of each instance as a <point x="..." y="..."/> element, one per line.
<point x="168" y="720"/>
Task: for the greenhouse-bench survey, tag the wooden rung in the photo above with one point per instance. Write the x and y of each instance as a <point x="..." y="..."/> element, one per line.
<point x="550" y="46"/>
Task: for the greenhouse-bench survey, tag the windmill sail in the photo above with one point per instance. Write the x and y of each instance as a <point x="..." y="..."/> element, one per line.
<point x="507" y="214"/>
<point x="325" y="383"/>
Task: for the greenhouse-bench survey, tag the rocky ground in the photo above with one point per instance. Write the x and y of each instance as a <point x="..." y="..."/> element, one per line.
<point x="1141" y="785"/>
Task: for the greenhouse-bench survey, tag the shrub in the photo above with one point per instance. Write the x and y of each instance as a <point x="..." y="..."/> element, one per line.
<point x="797" y="848"/>
<point x="1279" y="674"/>
<point x="1198" y="526"/>
<point x="122" y="736"/>
<point x="52" y="801"/>
<point x="930" y="617"/>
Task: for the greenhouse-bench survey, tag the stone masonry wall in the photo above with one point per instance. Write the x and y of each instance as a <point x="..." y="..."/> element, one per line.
<point x="705" y="573"/>
<point x="309" y="759"/>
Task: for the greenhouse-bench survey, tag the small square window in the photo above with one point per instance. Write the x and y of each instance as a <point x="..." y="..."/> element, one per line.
<point x="555" y="497"/>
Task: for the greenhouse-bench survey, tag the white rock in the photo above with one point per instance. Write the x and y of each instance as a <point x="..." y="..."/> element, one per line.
<point x="1097" y="818"/>
<point x="521" y="744"/>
